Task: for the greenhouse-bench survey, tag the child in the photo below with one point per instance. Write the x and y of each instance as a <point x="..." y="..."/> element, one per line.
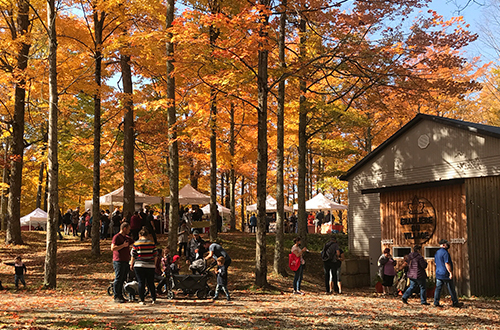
<point x="221" y="278"/>
<point x="166" y="261"/>
<point x="174" y="266"/>
<point x="20" y="269"/>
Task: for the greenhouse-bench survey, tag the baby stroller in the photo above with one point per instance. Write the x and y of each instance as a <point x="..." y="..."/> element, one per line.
<point x="195" y="284"/>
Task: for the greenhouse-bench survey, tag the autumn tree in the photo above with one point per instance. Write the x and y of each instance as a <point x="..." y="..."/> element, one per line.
<point x="53" y="215"/>
<point x="18" y="22"/>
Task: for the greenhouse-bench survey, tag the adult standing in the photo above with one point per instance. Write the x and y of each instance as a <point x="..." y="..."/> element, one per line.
<point x="67" y="221"/>
<point x="215" y="251"/>
<point x="417" y="275"/>
<point x="121" y="257"/>
<point x="299" y="273"/>
<point x="444" y="274"/>
<point x="253" y="223"/>
<point x="183" y="238"/>
<point x="386" y="270"/>
<point x="330" y="254"/>
<point x="150" y="225"/>
<point x="75" y="218"/>
<point x="196" y="248"/>
<point x="143" y="262"/>
<point x="318" y="221"/>
<point x="116" y="219"/>
<point x="104" y="224"/>
<point x="135" y="225"/>
<point x="339" y="269"/>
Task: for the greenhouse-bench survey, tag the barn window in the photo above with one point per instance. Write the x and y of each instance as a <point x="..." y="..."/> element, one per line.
<point x="430" y="251"/>
<point x="400" y="252"/>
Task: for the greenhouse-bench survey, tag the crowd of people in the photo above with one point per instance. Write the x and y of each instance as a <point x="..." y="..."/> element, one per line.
<point x="314" y="220"/>
<point x="413" y="270"/>
<point x="141" y="258"/>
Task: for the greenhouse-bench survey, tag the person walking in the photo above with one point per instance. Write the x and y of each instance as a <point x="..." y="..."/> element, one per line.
<point x="444" y="274"/>
<point x="221" y="273"/>
<point x="330" y="254"/>
<point x="143" y="262"/>
<point x="417" y="275"/>
<point x="299" y="273"/>
<point x="121" y="257"/>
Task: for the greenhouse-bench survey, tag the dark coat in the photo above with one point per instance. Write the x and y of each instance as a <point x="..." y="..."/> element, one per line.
<point x="417" y="266"/>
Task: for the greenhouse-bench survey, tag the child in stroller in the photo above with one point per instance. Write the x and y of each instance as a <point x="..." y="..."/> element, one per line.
<point x="199" y="266"/>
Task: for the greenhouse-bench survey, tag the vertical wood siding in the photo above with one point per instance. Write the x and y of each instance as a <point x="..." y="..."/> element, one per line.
<point x="483" y="215"/>
<point x="451" y="223"/>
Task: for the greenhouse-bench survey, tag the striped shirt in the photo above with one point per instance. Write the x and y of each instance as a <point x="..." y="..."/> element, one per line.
<point x="144" y="252"/>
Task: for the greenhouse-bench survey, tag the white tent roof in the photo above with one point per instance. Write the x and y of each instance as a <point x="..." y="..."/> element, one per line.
<point x="222" y="210"/>
<point x="116" y="197"/>
<point x="271" y="206"/>
<point x="189" y="195"/>
<point x="320" y="202"/>
<point x="38" y="215"/>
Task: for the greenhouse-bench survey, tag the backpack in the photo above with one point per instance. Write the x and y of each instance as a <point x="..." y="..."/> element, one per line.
<point x="293" y="261"/>
<point x="326" y="253"/>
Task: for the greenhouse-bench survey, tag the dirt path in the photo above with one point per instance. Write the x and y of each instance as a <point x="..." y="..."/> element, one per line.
<point x="55" y="310"/>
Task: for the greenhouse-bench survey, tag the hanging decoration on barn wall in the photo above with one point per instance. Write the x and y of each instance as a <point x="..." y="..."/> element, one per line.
<point x="418" y="220"/>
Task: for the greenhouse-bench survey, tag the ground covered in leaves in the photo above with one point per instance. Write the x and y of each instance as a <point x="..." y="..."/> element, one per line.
<point x="81" y="301"/>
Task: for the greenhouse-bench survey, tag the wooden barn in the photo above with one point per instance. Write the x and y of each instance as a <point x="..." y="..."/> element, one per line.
<point x="435" y="178"/>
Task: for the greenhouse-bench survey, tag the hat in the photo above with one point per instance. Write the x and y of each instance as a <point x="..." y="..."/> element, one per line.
<point x="176" y="257"/>
<point x="196" y="232"/>
<point x="443" y="241"/>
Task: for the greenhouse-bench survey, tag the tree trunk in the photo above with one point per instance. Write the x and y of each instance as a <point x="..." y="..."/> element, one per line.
<point x="302" y="168"/>
<point x="214" y="33"/>
<point x="279" y="264"/>
<point x="13" y="233"/>
<point x="4" y="180"/>
<point x="128" y="138"/>
<point x="172" y="136"/>
<point x="50" y="278"/>
<point x="40" y="185"/>
<point x="232" y="177"/>
<point x="262" y="76"/>
<point x="96" y="187"/>
<point x="213" y="167"/>
<point x="242" y="209"/>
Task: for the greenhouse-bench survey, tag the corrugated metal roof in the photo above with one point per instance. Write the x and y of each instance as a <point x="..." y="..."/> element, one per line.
<point x="480" y="129"/>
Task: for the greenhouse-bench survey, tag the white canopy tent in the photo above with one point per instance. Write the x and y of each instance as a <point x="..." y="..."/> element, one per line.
<point x="271" y="206"/>
<point x="38" y="216"/>
<point x="190" y="196"/>
<point x="321" y="203"/>
<point x="116" y="198"/>
<point x="222" y="210"/>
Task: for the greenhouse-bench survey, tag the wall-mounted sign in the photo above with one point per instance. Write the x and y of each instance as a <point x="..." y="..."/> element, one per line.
<point x="457" y="240"/>
<point x="418" y="220"/>
<point x="387" y="241"/>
